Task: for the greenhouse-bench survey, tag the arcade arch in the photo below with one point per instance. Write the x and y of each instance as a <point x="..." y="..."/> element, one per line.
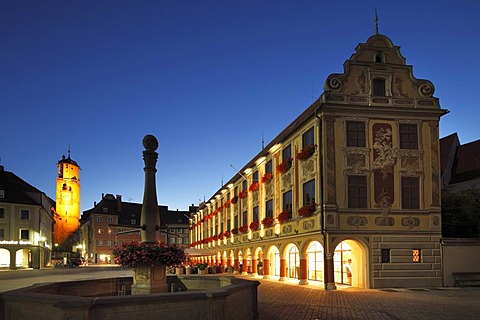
<point x="350" y="261"/>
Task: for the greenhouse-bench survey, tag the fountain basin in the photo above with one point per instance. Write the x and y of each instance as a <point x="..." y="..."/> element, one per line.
<point x="198" y="297"/>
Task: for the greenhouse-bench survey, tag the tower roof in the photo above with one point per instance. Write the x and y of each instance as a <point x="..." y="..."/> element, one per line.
<point x="67" y="160"/>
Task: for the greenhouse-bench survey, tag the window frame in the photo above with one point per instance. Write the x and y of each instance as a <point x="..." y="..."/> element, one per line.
<point x="359" y="184"/>
<point x="287" y="205"/>
<point x="308" y="138"/>
<point x="287" y="153"/>
<point x="354" y="134"/>
<point x="269" y="208"/>
<point x="22" y="231"/>
<point x="409" y="201"/>
<point x="379" y="87"/>
<point x="26" y="216"/>
<point x="408" y="138"/>
<point x="308" y="188"/>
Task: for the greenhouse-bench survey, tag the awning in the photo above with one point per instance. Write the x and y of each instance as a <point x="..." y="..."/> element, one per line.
<point x="195" y="252"/>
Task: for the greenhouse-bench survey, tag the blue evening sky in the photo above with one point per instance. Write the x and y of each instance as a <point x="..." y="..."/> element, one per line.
<point x="205" y="77"/>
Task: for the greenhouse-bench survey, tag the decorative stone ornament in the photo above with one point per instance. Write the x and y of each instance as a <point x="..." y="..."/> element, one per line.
<point x="150" y="279"/>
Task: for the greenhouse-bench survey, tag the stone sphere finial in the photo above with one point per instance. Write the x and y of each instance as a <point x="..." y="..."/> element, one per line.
<point x="150" y="142"/>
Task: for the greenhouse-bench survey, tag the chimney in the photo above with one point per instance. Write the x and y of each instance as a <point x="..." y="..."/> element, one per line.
<point x="1" y="168"/>
<point x="119" y="203"/>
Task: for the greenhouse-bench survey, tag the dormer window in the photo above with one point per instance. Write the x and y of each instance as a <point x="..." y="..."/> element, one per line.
<point x="378" y="87"/>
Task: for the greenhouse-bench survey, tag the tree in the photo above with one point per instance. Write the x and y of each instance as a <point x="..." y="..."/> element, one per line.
<point x="461" y="213"/>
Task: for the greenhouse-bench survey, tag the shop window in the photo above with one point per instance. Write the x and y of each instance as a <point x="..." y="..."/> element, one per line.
<point x="24" y="215"/>
<point x="356" y="134"/>
<point x="408" y="136"/>
<point x="357" y="191"/>
<point x="410" y="193"/>
<point x="385" y="256"/>
<point x="416" y="255"/>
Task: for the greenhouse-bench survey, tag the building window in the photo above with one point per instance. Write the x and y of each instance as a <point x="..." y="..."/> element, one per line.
<point x="244" y="218"/>
<point x="416" y="255"/>
<point x="356" y="134"/>
<point x="244" y="185"/>
<point x="186" y="241"/>
<point x="357" y="191"/>
<point x="308" y="138"/>
<point x="99" y="243"/>
<point x="287" y="153"/>
<point x="24" y="234"/>
<point x="255" y="214"/>
<point x="108" y="243"/>
<point x="378" y="87"/>
<point x="99" y="219"/>
<point x="2" y="213"/>
<point x="408" y="136"/>
<point x="133" y="221"/>
<point x="255" y="177"/>
<point x="2" y="194"/>
<point x="269" y="209"/>
<point x="105" y="210"/>
<point x="287" y="203"/>
<point x="110" y="219"/>
<point x="410" y="193"/>
<point x="2" y="233"/>
<point x="115" y="242"/>
<point x="385" y="256"/>
<point x="171" y="240"/>
<point x="24" y="215"/>
<point x="268" y="166"/>
<point x="309" y="192"/>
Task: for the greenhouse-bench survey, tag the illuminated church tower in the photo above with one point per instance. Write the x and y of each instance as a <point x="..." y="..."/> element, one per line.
<point x="68" y="199"/>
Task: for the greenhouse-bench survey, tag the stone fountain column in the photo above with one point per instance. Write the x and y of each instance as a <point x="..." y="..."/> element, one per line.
<point x="150" y="279"/>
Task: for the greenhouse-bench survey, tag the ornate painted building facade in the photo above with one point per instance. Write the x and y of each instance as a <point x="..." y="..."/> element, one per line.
<point x="348" y="193"/>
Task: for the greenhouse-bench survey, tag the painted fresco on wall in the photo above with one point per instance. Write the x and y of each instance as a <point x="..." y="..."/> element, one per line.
<point x="384" y="160"/>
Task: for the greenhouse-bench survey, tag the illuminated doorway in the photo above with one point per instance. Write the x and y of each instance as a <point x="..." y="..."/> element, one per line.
<point x="293" y="262"/>
<point x="4" y="258"/>
<point x="315" y="261"/>
<point x="274" y="260"/>
<point x="349" y="264"/>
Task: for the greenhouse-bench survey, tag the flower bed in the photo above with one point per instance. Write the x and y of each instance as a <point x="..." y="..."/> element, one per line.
<point x="135" y="253"/>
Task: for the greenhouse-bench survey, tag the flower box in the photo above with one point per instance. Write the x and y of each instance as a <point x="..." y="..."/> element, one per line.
<point x="283" y="216"/>
<point x="267" y="222"/>
<point x="254" y="225"/>
<point x="306" y="152"/>
<point x="253" y="187"/>
<point x="235" y="231"/>
<point x="284" y="166"/>
<point x="227" y="234"/>
<point x="243" y="194"/>
<point x="307" y="210"/>
<point x="234" y="200"/>
<point x="244" y="228"/>
<point x="267" y="177"/>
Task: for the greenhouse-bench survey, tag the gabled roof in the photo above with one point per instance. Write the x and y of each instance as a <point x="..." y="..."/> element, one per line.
<point x="467" y="166"/>
<point x="448" y="145"/>
<point x="16" y="189"/>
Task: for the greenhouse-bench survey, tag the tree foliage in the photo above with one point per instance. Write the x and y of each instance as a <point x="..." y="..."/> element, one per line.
<point x="461" y="213"/>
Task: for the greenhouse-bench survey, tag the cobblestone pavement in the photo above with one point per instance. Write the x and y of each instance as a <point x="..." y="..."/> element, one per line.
<point x="282" y="301"/>
<point x="288" y="300"/>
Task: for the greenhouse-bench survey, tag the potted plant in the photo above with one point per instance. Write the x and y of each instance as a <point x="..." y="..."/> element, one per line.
<point x="306" y="152"/>
<point x="307" y="210"/>
<point x="284" y="166"/>
<point x="202" y="268"/>
<point x="267" y="222"/>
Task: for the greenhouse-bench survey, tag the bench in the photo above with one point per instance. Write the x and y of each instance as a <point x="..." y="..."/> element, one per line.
<point x="466" y="279"/>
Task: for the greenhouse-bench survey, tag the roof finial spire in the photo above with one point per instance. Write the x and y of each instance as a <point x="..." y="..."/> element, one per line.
<point x="69" y="150"/>
<point x="376" y="21"/>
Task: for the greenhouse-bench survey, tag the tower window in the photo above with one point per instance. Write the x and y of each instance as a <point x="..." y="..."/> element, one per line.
<point x="378" y="87"/>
